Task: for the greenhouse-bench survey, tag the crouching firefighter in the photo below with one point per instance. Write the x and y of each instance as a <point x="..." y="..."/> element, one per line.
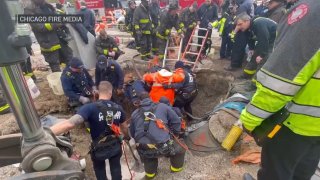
<point x="187" y="91"/>
<point x="77" y="84"/>
<point x="152" y="127"/>
<point x="105" y="119"/>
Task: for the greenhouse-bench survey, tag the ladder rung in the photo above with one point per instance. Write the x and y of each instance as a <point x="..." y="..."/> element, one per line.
<point x="194" y="44"/>
<point x="189" y="62"/>
<point x="172" y="59"/>
<point x="173" y="47"/>
<point x="203" y="29"/>
<point x="192" y="53"/>
<point x="198" y="36"/>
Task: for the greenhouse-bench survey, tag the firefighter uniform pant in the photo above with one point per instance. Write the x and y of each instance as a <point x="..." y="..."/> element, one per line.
<point x="252" y="67"/>
<point x="27" y="68"/>
<point x="176" y="161"/>
<point x="203" y="33"/>
<point x="145" y="45"/>
<point x="65" y="53"/>
<point x="53" y="59"/>
<point x="185" y="103"/>
<point x="186" y="38"/>
<point x="226" y="46"/>
<point x="155" y="47"/>
<point x="99" y="167"/>
<point x="162" y="43"/>
<point x="289" y="156"/>
<point x="238" y="49"/>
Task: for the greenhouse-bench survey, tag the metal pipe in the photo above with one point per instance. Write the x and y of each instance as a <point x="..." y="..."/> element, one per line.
<point x="19" y="98"/>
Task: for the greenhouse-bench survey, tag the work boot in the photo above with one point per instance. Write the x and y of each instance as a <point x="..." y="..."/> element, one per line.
<point x="247" y="176"/>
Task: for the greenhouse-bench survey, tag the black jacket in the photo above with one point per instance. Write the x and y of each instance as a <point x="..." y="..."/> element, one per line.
<point x="263" y="34"/>
<point x="207" y="14"/>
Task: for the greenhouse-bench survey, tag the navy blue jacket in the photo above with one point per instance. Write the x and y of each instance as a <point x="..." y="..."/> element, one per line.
<point x="163" y="112"/>
<point x="245" y="6"/>
<point x="133" y="89"/>
<point x="111" y="72"/>
<point x="76" y="84"/>
<point x="207" y="14"/>
<point x="89" y="19"/>
<point x="98" y="123"/>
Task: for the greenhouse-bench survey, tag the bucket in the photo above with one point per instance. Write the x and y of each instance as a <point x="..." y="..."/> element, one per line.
<point x="55" y="83"/>
<point x="33" y="89"/>
<point x="232" y="137"/>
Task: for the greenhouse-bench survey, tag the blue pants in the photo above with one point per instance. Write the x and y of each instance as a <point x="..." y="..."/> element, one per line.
<point x="226" y="46"/>
<point x="238" y="50"/>
<point x="99" y="167"/>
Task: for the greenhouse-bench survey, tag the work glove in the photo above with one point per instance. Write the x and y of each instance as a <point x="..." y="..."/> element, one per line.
<point x="111" y="53"/>
<point x="84" y="100"/>
<point x="210" y="26"/>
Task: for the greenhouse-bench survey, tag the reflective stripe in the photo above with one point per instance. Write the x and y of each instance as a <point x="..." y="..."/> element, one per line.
<point x="222" y="23"/>
<point x="317" y="74"/>
<point x="154" y="49"/>
<point x="146" y="32"/>
<point x="144" y="21"/>
<point x="28" y="74"/>
<point x="250" y="72"/>
<point x="161" y="56"/>
<point x="48" y="26"/>
<point x="175" y="169"/>
<point x="303" y="109"/>
<point x="115" y="49"/>
<point x="136" y="27"/>
<point x="277" y="84"/>
<point x="161" y="37"/>
<point x="53" y="48"/>
<point x="5" y="107"/>
<point x="179" y="31"/>
<point x="157" y="85"/>
<point x="258" y="112"/>
<point x="150" y="175"/>
<point x="181" y="25"/>
<point x="167" y="32"/>
<point x="105" y="51"/>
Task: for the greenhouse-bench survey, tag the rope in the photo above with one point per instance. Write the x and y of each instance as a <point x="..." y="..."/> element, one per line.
<point x="125" y="156"/>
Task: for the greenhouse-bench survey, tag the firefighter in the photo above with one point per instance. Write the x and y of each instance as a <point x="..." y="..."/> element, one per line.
<point x="106" y="45"/>
<point x="240" y="38"/>
<point x="225" y="26"/>
<point x="151" y="127"/>
<point x="261" y="39"/>
<point x="133" y="88"/>
<point x="207" y="13"/>
<point x="276" y="10"/>
<point x="143" y="27"/>
<point x="105" y="118"/>
<point x="168" y="19"/>
<point x="187" y="91"/>
<point x="161" y="82"/>
<point x="89" y="20"/>
<point x="109" y="70"/>
<point x="129" y="18"/>
<point x="288" y="88"/>
<point x="189" y="19"/>
<point x="155" y="16"/>
<point x="77" y="84"/>
<point x="47" y="35"/>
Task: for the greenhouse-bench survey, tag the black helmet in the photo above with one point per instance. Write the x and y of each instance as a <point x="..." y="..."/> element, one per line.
<point x="131" y="1"/>
<point x="173" y="6"/>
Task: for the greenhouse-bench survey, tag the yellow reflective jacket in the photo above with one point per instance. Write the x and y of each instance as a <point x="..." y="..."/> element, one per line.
<point x="291" y="76"/>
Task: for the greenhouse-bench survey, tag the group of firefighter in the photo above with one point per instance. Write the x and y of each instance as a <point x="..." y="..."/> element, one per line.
<point x="151" y="26"/>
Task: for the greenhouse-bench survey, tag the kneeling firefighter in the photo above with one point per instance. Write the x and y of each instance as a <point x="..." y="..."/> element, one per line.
<point x="152" y="128"/>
